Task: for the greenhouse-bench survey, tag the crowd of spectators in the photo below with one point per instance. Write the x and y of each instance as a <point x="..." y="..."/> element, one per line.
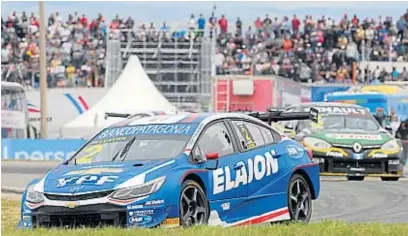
<point x="307" y="50"/>
<point x="75" y="50"/>
<point x="321" y="51"/>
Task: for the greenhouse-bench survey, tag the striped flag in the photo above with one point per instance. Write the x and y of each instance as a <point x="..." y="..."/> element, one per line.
<point x="33" y="108"/>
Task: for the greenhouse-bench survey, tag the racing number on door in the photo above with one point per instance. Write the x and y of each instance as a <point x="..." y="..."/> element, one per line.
<point x="247" y="136"/>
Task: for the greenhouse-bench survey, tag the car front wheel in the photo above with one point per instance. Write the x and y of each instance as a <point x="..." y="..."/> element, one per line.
<point x="299" y="199"/>
<point x="193" y="202"/>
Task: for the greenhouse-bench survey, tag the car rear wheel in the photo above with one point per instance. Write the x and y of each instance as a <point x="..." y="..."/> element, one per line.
<point x="355" y="178"/>
<point x="194" y="208"/>
<point x="299" y="199"/>
<point x="390" y="178"/>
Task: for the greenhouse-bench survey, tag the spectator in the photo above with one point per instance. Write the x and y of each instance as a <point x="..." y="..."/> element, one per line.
<point x="402" y="132"/>
<point x="223" y="23"/>
<point x="192" y="24"/>
<point x="68" y="47"/>
<point x="238" y="26"/>
<point x="323" y="49"/>
<point x="403" y="75"/>
<point x="201" y="26"/>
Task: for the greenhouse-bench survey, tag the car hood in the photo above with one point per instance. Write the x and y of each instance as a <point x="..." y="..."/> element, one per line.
<point x="349" y="137"/>
<point x="102" y="176"/>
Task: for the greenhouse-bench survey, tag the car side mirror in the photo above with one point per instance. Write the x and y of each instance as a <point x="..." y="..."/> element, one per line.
<point x="299" y="137"/>
<point x="212" y="155"/>
<point x="388" y="128"/>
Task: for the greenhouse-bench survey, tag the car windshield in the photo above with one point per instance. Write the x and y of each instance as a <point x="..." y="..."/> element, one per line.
<point x="132" y="143"/>
<point x="351" y="122"/>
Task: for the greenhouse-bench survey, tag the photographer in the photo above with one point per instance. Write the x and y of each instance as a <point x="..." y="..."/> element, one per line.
<point x="402" y="132"/>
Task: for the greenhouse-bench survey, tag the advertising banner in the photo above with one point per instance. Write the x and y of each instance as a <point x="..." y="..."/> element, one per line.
<point x="39" y="149"/>
<point x="319" y="92"/>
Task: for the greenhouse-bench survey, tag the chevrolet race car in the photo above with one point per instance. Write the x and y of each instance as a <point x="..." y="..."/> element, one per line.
<point x="348" y="141"/>
<point x="169" y="170"/>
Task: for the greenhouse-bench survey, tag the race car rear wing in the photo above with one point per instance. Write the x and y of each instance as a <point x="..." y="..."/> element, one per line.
<point x="118" y="115"/>
<point x="279" y="115"/>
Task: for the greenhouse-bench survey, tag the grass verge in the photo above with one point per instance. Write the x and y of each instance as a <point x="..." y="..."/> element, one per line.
<point x="10" y="216"/>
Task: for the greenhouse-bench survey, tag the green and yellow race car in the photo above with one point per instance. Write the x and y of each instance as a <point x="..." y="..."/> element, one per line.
<point x="348" y="141"/>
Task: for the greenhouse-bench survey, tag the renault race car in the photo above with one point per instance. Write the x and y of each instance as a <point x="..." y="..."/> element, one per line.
<point x="348" y="141"/>
<point x="169" y="170"/>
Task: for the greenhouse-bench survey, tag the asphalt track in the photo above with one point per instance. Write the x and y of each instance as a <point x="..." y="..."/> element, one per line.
<point x="367" y="201"/>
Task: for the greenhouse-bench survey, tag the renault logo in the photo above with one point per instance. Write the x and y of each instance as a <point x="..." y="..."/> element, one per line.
<point x="357" y="147"/>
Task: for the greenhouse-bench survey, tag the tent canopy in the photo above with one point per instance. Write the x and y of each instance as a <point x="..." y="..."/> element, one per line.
<point x="133" y="92"/>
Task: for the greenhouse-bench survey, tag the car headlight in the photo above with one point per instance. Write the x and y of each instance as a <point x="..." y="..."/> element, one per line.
<point x="390" y="145"/>
<point x="34" y="196"/>
<point x="316" y="143"/>
<point x="140" y="190"/>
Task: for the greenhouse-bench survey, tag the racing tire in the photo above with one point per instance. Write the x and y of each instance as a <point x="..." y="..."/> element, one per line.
<point x="390" y="178"/>
<point x="193" y="205"/>
<point x="355" y="178"/>
<point x="299" y="199"/>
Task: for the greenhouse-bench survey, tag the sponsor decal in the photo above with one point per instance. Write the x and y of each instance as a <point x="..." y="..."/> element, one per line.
<point x="334" y="154"/>
<point x="294" y="151"/>
<point x="132" y="207"/>
<point x="318" y="160"/>
<point x="140" y="219"/>
<point x="357" y="169"/>
<point x="76" y="189"/>
<point x="171" y="222"/>
<point x="86" y="179"/>
<point x="355" y="136"/>
<point x="358" y="156"/>
<point x="181" y="129"/>
<point x="27" y="212"/>
<point x="72" y="204"/>
<point x="141" y="212"/>
<point x="257" y="168"/>
<point x="342" y="110"/>
<point x="27" y="221"/>
<point x="109" y="140"/>
<point x="154" y="202"/>
<point x="393" y="162"/>
<point x="94" y="171"/>
<point x="380" y="155"/>
<point x="225" y="206"/>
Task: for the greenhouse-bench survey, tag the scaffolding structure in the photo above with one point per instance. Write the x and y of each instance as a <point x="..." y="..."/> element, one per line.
<point x="182" y="71"/>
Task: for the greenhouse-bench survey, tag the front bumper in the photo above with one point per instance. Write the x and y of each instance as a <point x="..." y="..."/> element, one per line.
<point x="90" y="216"/>
<point x="374" y="167"/>
<point x="135" y="214"/>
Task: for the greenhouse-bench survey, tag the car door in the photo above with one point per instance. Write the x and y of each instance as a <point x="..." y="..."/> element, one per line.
<point x="223" y="181"/>
<point x="267" y="158"/>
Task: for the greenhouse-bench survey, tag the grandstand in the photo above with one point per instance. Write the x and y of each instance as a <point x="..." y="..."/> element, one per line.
<point x="182" y="67"/>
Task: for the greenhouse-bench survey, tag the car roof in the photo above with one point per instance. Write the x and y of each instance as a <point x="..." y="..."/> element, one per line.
<point x="191" y="118"/>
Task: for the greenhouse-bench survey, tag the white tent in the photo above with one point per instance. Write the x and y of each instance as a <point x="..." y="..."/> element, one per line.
<point x="133" y="92"/>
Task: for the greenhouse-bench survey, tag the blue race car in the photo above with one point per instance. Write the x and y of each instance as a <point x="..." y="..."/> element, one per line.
<point x="223" y="169"/>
